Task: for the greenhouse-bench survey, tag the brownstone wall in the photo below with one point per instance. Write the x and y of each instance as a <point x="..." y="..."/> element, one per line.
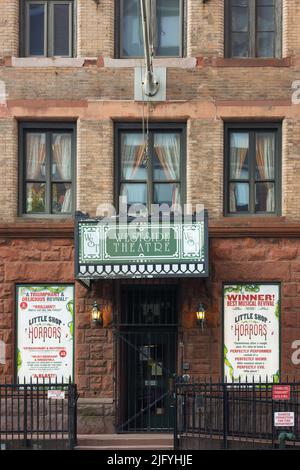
<point x="232" y="260"/>
<point x="36" y="260"/>
<point x="43" y="261"/>
<point x="51" y="260"/>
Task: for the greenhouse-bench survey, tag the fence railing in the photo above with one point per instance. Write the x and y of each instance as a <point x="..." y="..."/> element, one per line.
<point x="235" y="415"/>
<point x="38" y="416"/>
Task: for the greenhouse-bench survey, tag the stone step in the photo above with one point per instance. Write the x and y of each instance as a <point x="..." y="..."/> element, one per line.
<point x="125" y="441"/>
<point x="125" y="447"/>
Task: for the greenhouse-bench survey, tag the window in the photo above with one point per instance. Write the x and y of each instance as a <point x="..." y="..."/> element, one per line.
<point x="156" y="177"/>
<point x="252" y="169"/>
<point x="46" y="168"/>
<point x="253" y="28"/>
<point x="166" y="21"/>
<point x="48" y="28"/>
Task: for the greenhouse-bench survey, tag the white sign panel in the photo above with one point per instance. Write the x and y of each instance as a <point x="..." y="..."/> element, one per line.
<point x="56" y="394"/>
<point x="284" y="419"/>
<point x="45" y="321"/>
<point x="251" y="332"/>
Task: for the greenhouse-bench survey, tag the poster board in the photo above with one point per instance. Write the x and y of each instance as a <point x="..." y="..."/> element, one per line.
<point x="251" y="332"/>
<point x="45" y="327"/>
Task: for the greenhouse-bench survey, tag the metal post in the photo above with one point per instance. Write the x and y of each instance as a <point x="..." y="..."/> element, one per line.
<point x="175" y="404"/>
<point x="75" y="414"/>
<point x="25" y="415"/>
<point x="72" y="418"/>
<point x="150" y="82"/>
<point x="225" y="415"/>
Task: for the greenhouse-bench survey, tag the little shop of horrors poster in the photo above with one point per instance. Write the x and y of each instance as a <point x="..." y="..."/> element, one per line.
<point x="45" y="323"/>
<point x="251" y="332"/>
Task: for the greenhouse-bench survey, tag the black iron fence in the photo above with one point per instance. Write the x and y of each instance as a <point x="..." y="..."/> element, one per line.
<point x="38" y="416"/>
<point x="235" y="416"/>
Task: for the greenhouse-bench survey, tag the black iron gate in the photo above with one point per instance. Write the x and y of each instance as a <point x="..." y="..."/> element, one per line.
<point x="38" y="416"/>
<point x="147" y="339"/>
<point x="234" y="416"/>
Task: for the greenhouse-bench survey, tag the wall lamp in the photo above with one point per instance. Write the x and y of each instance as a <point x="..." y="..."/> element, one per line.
<point x="97" y="315"/>
<point x="200" y="316"/>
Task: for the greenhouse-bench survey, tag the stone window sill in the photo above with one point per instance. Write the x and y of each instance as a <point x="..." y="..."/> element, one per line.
<point x="170" y="62"/>
<point x="65" y="62"/>
<point x="46" y="217"/>
<point x="251" y="62"/>
<point x="175" y="62"/>
<point x="46" y="62"/>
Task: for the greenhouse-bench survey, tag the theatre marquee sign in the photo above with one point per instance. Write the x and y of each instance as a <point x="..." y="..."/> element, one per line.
<point x="141" y="249"/>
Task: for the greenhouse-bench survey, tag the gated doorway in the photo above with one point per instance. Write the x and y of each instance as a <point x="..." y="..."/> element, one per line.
<point x="147" y="342"/>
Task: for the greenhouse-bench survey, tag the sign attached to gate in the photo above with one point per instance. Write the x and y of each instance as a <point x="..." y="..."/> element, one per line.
<point x="284" y="419"/>
<point x="281" y="392"/>
<point x="56" y="394"/>
<point x="110" y="249"/>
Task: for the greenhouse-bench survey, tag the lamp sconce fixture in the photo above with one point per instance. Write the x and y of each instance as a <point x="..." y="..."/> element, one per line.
<point x="200" y="316"/>
<point x="97" y="315"/>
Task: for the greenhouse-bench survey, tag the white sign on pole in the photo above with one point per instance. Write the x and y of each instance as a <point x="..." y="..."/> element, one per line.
<point x="45" y="322"/>
<point x="251" y="332"/>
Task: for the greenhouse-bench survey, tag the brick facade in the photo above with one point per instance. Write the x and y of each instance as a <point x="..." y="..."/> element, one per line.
<point x="9" y="28"/>
<point x="95" y="28"/>
<point x="204" y="95"/>
<point x="95" y="89"/>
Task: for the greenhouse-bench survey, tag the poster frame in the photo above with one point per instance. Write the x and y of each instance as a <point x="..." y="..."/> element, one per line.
<point x="36" y="284"/>
<point x="262" y="283"/>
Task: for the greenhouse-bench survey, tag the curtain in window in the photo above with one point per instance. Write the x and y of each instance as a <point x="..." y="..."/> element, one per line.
<point x="265" y="158"/>
<point x="35" y="156"/>
<point x="167" y="149"/>
<point x="62" y="156"/>
<point x="132" y="156"/>
<point x="239" y="145"/>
